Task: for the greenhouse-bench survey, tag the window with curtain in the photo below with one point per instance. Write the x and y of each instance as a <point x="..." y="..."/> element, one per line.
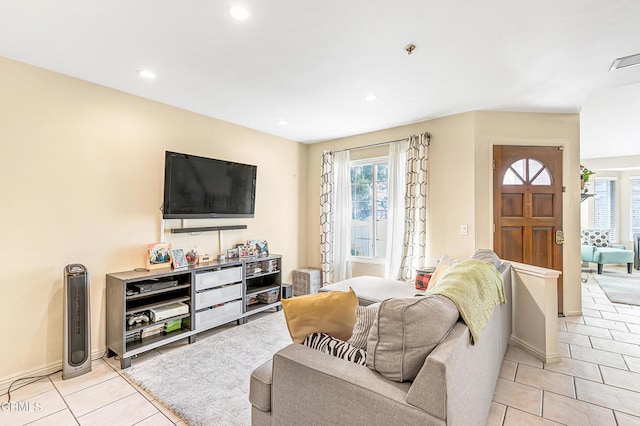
<point x="605" y="206"/>
<point x="369" y="215"/>
<point x="635" y="206"/>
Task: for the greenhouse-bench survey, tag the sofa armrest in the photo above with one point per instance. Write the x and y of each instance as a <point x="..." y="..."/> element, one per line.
<point x="586" y="253"/>
<point x="457" y="380"/>
<point x="260" y="387"/>
<point x="307" y="382"/>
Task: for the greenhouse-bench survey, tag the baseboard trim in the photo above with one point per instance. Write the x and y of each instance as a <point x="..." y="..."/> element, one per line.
<point x="541" y="355"/>
<point x="50" y="368"/>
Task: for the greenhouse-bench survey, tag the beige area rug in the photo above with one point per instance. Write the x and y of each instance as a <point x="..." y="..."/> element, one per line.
<point x="207" y="382"/>
<point x="620" y="287"/>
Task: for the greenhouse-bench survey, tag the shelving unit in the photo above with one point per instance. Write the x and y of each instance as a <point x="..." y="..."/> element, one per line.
<point x="215" y="293"/>
<point x="263" y="281"/>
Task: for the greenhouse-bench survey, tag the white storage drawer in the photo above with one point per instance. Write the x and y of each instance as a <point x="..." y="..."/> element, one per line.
<point x="210" y="279"/>
<point x="219" y="315"/>
<point x="218" y="295"/>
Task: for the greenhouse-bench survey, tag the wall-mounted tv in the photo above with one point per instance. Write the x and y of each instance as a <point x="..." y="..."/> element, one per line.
<point x="199" y="187"/>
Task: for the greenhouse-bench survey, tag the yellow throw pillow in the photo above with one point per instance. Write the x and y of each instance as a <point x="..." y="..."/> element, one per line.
<point x="436" y="274"/>
<point x="333" y="313"/>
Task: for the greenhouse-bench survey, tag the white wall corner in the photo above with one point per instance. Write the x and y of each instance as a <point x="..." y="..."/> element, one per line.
<point x="535" y="310"/>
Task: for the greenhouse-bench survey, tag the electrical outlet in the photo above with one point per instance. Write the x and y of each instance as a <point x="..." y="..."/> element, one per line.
<point x="463" y="230"/>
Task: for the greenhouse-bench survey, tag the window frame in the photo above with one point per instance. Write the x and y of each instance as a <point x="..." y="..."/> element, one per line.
<point x="612" y="207"/>
<point x="374" y="161"/>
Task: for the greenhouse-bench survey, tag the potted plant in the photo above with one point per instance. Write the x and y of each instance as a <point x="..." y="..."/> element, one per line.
<point x="584" y="175"/>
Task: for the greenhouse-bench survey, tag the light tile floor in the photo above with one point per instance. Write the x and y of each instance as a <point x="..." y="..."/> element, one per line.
<point x="596" y="383"/>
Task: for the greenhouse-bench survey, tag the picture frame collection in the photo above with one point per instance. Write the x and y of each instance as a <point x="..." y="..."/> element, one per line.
<point x="162" y="255"/>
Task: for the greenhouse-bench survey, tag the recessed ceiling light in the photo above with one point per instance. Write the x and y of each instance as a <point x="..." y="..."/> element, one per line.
<point x="239" y="12"/>
<point x="146" y="74"/>
<point x="370" y="97"/>
<point x="283" y="122"/>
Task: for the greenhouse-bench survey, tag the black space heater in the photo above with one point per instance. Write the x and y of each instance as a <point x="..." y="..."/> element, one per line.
<point x="76" y="359"/>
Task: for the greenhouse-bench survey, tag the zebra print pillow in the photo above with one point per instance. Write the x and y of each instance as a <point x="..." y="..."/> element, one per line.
<point x="339" y="348"/>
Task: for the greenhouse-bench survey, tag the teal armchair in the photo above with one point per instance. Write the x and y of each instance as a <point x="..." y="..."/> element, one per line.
<point x="605" y="252"/>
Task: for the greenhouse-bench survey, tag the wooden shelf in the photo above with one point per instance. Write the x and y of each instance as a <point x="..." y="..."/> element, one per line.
<point x="137" y="327"/>
<point x="146" y="341"/>
<point x="586" y="196"/>
<point x="153" y="292"/>
<point x="252" y="291"/>
<point x="157" y="304"/>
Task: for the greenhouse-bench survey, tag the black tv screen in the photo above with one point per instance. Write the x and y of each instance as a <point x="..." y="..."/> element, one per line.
<point x="199" y="187"/>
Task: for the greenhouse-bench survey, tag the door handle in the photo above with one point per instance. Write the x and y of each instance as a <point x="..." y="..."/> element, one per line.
<point x="559" y="238"/>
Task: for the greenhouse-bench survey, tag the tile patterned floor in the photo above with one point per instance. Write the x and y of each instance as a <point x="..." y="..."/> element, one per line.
<point x="596" y="383"/>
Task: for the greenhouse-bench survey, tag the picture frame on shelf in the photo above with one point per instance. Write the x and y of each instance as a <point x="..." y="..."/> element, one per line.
<point x="179" y="259"/>
<point x="244" y="250"/>
<point x="232" y="253"/>
<point x="158" y="255"/>
<point x="260" y="247"/>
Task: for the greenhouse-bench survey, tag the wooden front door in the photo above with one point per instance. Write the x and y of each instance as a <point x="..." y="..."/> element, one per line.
<point x="527" y="206"/>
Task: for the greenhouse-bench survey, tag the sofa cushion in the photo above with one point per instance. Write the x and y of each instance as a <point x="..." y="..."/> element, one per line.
<point x="373" y="289"/>
<point x="405" y="331"/>
<point x="332" y="312"/>
<point x="595" y="237"/>
<point x="488" y="256"/>
<point x="365" y="316"/>
<point x="441" y="267"/>
<point x="339" y="348"/>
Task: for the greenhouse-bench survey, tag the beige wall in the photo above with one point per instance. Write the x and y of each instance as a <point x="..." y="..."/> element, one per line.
<point x="563" y="130"/>
<point x="82" y="172"/>
<point x="460" y="181"/>
<point x="82" y="169"/>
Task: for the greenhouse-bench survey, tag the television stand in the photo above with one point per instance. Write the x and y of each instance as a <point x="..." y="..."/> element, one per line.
<point x="215" y="293"/>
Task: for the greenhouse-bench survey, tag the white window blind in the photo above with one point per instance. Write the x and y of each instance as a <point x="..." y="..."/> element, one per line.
<point x="635" y="206"/>
<point x="605" y="206"/>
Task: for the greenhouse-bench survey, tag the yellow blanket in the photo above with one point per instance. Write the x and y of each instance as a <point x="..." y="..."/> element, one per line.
<point x="476" y="287"/>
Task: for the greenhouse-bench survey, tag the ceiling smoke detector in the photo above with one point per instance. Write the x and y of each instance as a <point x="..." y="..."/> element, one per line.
<point x="625" y="62"/>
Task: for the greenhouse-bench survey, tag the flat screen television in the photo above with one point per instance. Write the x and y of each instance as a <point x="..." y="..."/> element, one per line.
<point x="199" y="187"/>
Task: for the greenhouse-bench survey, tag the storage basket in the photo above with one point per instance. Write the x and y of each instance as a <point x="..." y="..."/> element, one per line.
<point x="253" y="268"/>
<point x="270" y="296"/>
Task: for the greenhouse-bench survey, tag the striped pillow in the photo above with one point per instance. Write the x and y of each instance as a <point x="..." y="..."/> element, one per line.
<point x="365" y="316"/>
<point x="336" y="347"/>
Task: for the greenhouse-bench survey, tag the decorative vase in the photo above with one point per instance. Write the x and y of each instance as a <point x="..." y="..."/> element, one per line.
<point x="582" y="181"/>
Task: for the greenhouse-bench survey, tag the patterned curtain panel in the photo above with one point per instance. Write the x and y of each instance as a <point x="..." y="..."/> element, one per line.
<point x="335" y="217"/>
<point x="327" y="218"/>
<point x="415" y="224"/>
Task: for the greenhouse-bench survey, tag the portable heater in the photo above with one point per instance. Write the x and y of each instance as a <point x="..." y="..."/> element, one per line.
<point x="76" y="358"/>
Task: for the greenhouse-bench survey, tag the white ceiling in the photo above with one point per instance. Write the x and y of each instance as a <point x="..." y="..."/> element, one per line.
<point x="312" y="63"/>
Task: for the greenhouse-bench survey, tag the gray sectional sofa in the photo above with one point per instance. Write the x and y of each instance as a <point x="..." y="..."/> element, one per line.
<point x="454" y="386"/>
